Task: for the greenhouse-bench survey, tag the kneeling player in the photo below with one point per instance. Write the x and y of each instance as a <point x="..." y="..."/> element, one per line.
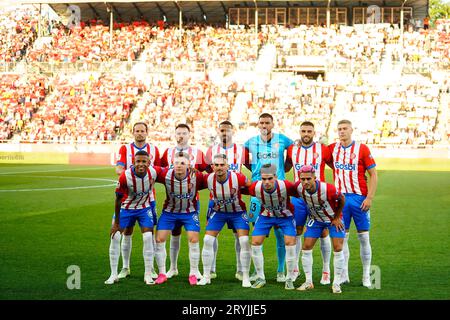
<point x="276" y="211"/>
<point x="133" y="203"/>
<point x="325" y="207"/>
<point x="228" y="208"/>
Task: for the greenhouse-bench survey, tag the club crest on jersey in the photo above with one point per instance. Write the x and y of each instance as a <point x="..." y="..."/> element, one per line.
<point x="190" y="187"/>
<point x="352" y="156"/>
<point x="315" y="155"/>
<point x="233" y="191"/>
<point x="276" y="145"/>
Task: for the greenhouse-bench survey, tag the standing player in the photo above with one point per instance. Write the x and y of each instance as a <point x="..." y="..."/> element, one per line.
<point x="225" y="187"/>
<point x="268" y="148"/>
<point x="325" y="205"/>
<point x="317" y="155"/>
<point x="126" y="159"/>
<point x="180" y="209"/>
<point x="237" y="155"/>
<point x="197" y="161"/>
<point x="133" y="192"/>
<point x="351" y="161"/>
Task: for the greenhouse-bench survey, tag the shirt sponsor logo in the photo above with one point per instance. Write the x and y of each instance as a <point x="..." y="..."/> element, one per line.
<point x="181" y="196"/>
<point x="346" y="166"/>
<point x="270" y="155"/>
<point x="141" y="194"/>
<point x="298" y="166"/>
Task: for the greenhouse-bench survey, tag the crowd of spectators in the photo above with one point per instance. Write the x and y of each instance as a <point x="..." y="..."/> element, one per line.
<point x="86" y="107"/>
<point x="18" y="30"/>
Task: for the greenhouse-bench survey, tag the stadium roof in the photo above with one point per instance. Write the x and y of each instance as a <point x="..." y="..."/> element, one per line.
<point x="126" y="10"/>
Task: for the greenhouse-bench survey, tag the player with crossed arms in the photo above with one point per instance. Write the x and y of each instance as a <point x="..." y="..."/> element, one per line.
<point x="325" y="207"/>
<point x="133" y="204"/>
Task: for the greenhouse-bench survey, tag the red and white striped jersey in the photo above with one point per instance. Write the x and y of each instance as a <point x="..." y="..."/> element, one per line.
<point x="227" y="195"/>
<point x="323" y="203"/>
<point x="196" y="156"/>
<point x="237" y="155"/>
<point x="350" y="165"/>
<point x="276" y="203"/>
<point x="181" y="195"/>
<point x="126" y="157"/>
<point x="127" y="152"/>
<point x="137" y="191"/>
<point x="316" y="155"/>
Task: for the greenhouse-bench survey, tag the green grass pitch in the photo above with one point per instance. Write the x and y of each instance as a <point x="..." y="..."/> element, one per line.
<point x="43" y="232"/>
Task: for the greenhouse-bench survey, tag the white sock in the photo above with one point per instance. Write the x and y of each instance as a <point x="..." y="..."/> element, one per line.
<point x="244" y="256"/>
<point x="194" y="257"/>
<point x="298" y="249"/>
<point x="114" y="253"/>
<point x="307" y="262"/>
<point x="174" y="250"/>
<point x="325" y="248"/>
<point x="237" y="248"/>
<point x="258" y="261"/>
<point x="147" y="251"/>
<point x="290" y="260"/>
<point x="365" y="252"/>
<point x="160" y="255"/>
<point x="153" y="257"/>
<point x="338" y="264"/>
<point x="126" y="250"/>
<point x="207" y="254"/>
<point x="215" y="248"/>
<point x="346" y="256"/>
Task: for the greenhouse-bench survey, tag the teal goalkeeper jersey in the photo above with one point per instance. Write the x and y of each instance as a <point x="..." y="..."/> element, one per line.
<point x="268" y="152"/>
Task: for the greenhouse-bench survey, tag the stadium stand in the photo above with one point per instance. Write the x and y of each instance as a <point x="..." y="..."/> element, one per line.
<point x="95" y="107"/>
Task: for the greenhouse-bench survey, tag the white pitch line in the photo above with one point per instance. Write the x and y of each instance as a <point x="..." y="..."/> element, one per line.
<point x="55" y="189"/>
<point x="112" y="183"/>
<point x="56" y="170"/>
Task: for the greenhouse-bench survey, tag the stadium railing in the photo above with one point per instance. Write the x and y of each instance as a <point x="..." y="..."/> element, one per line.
<point x="104" y="66"/>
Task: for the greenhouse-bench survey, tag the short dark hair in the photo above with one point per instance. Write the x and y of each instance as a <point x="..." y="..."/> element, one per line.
<point x="182" y="154"/>
<point x="183" y="125"/>
<point x="226" y="123"/>
<point x="143" y="123"/>
<point x="268" y="168"/>
<point x="141" y="153"/>
<point x="220" y="155"/>
<point x="266" y="115"/>
<point x="307" y="123"/>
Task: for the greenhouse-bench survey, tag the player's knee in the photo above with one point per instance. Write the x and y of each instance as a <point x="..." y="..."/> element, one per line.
<point x="116" y="237"/>
<point x="208" y="241"/>
<point x="176" y="232"/>
<point x="128" y="231"/>
<point x="243" y="241"/>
